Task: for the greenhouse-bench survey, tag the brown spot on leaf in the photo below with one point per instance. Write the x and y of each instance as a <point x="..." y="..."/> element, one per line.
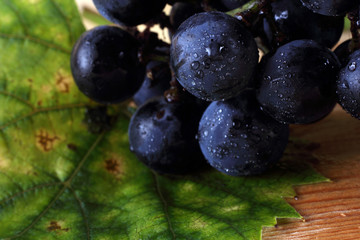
<point x="55" y="226"/>
<point x="63" y="82"/>
<point x="30" y="80"/>
<point x="72" y="147"/>
<point x="30" y="172"/>
<point x="113" y="166"/>
<point x="39" y="103"/>
<point x="45" y="141"/>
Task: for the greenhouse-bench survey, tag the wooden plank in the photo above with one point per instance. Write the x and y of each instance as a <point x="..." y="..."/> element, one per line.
<point x="331" y="211"/>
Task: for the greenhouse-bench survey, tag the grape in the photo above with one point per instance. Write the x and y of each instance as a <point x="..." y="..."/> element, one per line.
<point x="182" y="11"/>
<point x="162" y="136"/>
<point x="156" y="82"/>
<point x="297" y="82"/>
<point x="213" y="56"/>
<point x="105" y="65"/>
<point x="348" y="85"/>
<point x="298" y="22"/>
<point x="129" y="12"/>
<point x="238" y="139"/>
<point x="331" y="7"/>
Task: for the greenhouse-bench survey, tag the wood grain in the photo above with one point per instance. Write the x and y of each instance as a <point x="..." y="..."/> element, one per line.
<point x="331" y="211"/>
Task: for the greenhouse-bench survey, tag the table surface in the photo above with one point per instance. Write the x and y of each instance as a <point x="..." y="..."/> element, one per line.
<point x="331" y="210"/>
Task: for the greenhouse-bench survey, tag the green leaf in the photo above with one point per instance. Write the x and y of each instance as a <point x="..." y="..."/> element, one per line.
<point x="60" y="181"/>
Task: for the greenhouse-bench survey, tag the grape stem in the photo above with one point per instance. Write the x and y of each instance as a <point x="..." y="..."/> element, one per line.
<point x="354" y="29"/>
<point x="250" y="12"/>
<point x="158" y="58"/>
<point x="173" y="93"/>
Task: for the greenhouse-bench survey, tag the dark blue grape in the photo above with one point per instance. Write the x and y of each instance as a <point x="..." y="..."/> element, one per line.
<point x="213" y="56"/>
<point x="298" y="22"/>
<point x="348" y="85"/>
<point x="162" y="136"/>
<point x="129" y="12"/>
<point x="105" y="65"/>
<point x="297" y="82"/>
<point x="156" y="82"/>
<point x="331" y="7"/>
<point x="238" y="139"/>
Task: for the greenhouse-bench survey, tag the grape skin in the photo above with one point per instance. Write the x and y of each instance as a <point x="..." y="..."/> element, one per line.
<point x="348" y="85"/>
<point x="213" y="56"/>
<point x="331" y="7"/>
<point x="238" y="139"/>
<point x="298" y="22"/>
<point x="296" y="83"/>
<point x="162" y="136"/>
<point x="105" y="65"/>
<point x="129" y="12"/>
<point x="154" y="85"/>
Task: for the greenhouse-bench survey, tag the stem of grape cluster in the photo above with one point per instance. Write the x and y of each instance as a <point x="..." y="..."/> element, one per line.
<point x="354" y="29"/>
<point x="278" y="36"/>
<point x="251" y="11"/>
<point x="247" y="13"/>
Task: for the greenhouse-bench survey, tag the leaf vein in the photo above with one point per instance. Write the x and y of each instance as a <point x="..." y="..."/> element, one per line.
<point x="83" y="212"/>
<point x="165" y="204"/>
<point x="66" y="185"/>
<point x="25" y="102"/>
<point x="44" y="185"/>
<point x="18" y="15"/>
<point x="43" y="110"/>
<point x="35" y="40"/>
<point x="67" y="20"/>
<point x="189" y="209"/>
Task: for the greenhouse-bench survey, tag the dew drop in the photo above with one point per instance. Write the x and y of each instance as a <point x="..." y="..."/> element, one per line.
<point x="208" y="51"/>
<point x="243" y="135"/>
<point x="195" y="65"/>
<point x="199" y="74"/>
<point x="267" y="78"/>
<point x="352" y="66"/>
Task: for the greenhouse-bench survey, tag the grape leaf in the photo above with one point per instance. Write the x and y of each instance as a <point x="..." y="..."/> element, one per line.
<point x="60" y="179"/>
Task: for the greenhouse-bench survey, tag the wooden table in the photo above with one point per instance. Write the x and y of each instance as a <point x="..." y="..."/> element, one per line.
<point x="330" y="210"/>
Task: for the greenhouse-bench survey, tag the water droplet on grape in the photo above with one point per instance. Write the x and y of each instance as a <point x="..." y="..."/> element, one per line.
<point x="195" y="65"/>
<point x="243" y="135"/>
<point x="352" y="66"/>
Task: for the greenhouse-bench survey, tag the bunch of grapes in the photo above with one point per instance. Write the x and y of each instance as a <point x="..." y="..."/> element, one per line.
<point x="206" y="97"/>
